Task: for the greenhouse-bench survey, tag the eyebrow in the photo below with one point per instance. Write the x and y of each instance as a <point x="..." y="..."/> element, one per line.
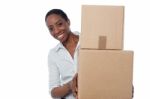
<point x="59" y="20"/>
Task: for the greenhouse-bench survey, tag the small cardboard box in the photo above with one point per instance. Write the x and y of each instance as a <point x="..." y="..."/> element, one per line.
<point x="102" y="27"/>
<point x="105" y="74"/>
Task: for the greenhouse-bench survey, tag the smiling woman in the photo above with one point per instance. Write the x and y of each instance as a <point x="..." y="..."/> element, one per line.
<point x="58" y="25"/>
<point x="62" y="60"/>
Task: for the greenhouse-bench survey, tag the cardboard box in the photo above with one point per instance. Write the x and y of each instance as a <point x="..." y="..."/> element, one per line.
<point x="105" y="74"/>
<point x="102" y="27"/>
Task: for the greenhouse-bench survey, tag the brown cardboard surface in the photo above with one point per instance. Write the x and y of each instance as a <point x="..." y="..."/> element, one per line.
<point x="105" y="74"/>
<point x="102" y="22"/>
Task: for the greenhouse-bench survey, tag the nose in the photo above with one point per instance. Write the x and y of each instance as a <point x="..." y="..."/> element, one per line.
<point x="56" y="30"/>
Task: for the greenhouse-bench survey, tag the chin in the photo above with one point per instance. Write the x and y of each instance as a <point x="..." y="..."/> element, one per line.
<point x="63" y="40"/>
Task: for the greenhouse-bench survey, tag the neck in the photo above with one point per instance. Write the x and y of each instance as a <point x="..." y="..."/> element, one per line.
<point x="71" y="40"/>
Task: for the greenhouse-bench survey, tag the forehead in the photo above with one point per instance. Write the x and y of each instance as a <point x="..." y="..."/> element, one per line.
<point x="53" y="18"/>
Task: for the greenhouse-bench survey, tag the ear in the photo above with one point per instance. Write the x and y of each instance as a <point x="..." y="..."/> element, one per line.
<point x="68" y="21"/>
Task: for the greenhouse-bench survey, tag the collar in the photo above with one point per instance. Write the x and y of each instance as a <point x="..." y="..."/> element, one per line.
<point x="59" y="46"/>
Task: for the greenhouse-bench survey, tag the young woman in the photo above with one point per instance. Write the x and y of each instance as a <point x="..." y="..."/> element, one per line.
<point x="62" y="59"/>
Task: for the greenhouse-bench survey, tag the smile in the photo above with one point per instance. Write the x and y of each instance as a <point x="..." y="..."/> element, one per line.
<point x="60" y="36"/>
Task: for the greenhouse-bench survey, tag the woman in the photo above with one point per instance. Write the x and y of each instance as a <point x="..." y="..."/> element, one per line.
<point x="62" y="59"/>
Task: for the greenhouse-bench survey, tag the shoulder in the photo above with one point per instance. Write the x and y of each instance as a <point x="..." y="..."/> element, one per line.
<point x="76" y="32"/>
<point x="53" y="52"/>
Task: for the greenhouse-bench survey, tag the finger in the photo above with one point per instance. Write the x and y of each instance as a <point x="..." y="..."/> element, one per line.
<point x="76" y="89"/>
<point x="74" y="94"/>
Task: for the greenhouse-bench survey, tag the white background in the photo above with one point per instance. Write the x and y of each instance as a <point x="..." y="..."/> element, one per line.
<point x="25" y="42"/>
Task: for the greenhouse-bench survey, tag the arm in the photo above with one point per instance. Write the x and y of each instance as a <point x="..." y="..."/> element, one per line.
<point x="70" y="87"/>
<point x="56" y="90"/>
<point x="62" y="90"/>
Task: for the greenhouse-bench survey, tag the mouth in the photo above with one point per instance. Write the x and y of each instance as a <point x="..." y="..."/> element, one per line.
<point x="60" y="36"/>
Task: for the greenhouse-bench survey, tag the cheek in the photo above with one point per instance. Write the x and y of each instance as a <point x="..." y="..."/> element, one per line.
<point x="52" y="34"/>
<point x="67" y="28"/>
<point x="62" y="28"/>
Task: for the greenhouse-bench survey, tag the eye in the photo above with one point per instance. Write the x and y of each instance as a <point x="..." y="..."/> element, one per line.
<point x="50" y="29"/>
<point x="60" y="24"/>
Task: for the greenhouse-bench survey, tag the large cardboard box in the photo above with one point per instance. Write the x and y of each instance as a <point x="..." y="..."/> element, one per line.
<point x="105" y="74"/>
<point x="102" y="27"/>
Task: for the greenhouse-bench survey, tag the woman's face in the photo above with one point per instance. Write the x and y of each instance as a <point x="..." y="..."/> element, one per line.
<point x="58" y="27"/>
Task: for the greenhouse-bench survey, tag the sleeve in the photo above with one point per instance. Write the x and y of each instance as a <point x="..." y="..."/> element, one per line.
<point x="54" y="74"/>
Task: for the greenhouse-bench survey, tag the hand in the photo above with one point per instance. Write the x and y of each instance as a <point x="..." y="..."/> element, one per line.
<point x="74" y="85"/>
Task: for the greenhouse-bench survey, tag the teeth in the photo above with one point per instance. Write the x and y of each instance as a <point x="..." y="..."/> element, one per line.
<point x="60" y="36"/>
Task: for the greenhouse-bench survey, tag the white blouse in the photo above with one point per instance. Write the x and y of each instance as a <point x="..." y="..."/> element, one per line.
<point x="62" y="67"/>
